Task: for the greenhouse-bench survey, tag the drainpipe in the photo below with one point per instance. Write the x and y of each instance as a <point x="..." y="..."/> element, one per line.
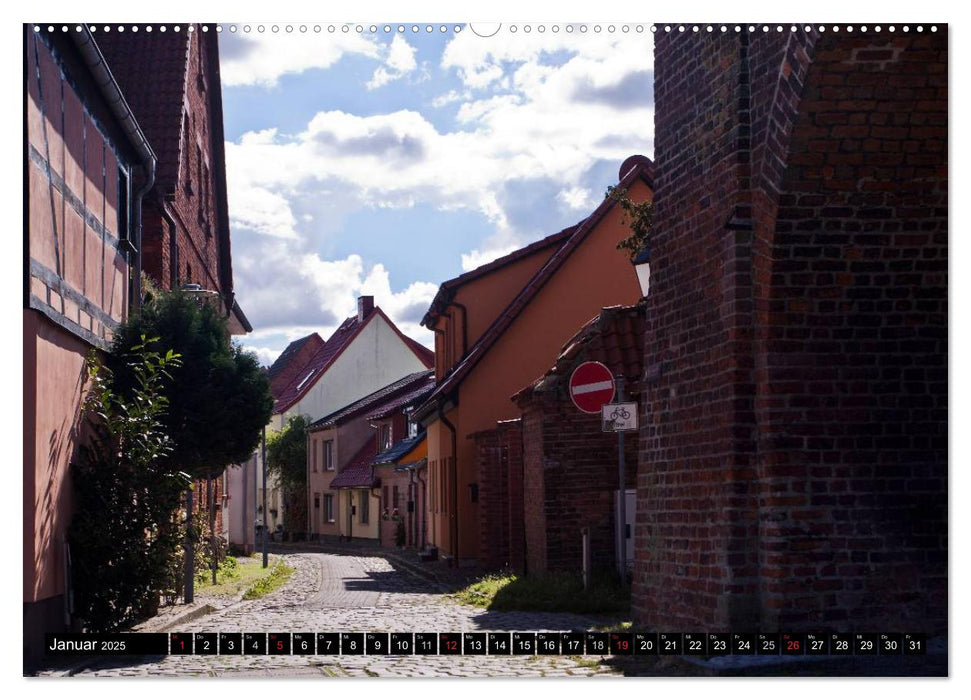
<point x="455" y="495"/>
<point x="119" y="107"/>
<point x="424" y="516"/>
<point x="440" y="355"/>
<point x="465" y="325"/>
<point x="414" y="507"/>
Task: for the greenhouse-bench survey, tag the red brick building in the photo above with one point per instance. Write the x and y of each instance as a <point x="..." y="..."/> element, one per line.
<point x="82" y="152"/>
<point x="171" y="81"/>
<point x="795" y="397"/>
<point x="569" y="464"/>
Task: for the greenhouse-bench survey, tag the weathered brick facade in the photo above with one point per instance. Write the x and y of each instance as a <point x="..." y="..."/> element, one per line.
<point x="570" y="469"/>
<point x="501" y="521"/>
<point x="795" y="424"/>
<point x="171" y="80"/>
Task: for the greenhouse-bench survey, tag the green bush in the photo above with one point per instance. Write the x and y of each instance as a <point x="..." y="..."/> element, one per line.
<point x="125" y="532"/>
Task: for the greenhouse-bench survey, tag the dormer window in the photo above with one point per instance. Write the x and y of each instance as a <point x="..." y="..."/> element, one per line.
<point x="385" y="436"/>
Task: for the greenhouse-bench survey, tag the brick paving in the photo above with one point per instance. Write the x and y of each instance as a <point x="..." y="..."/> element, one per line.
<point x="359" y="592"/>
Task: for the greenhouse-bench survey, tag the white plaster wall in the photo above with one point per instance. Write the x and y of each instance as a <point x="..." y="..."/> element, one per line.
<point x="375" y="358"/>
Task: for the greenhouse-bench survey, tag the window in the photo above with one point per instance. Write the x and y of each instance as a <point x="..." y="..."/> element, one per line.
<point x="365" y="502"/>
<point x="385" y="436"/>
<point x="385" y="500"/>
<point x="328" y="455"/>
<point x="316" y="501"/>
<point x="329" y="507"/>
<point x="394" y="503"/>
<point x="412" y="429"/>
<point x="313" y="455"/>
<point x="186" y="122"/>
<point x="204" y="201"/>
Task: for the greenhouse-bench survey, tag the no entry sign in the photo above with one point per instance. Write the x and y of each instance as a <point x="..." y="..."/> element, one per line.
<point x="591" y="386"/>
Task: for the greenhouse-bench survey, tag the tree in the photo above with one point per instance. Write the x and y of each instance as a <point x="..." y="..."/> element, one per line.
<point x="125" y="531"/>
<point x="219" y="398"/>
<point x="286" y="457"/>
<point x="638" y="216"/>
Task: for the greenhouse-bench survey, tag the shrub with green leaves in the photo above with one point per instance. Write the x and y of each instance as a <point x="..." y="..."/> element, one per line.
<point x="125" y="532"/>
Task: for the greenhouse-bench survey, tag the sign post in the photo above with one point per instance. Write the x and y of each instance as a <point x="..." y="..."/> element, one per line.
<point x="621" y="497"/>
<point x="592" y="389"/>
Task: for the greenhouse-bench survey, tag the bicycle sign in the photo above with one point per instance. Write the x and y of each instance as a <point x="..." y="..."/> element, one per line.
<point x="617" y="417"/>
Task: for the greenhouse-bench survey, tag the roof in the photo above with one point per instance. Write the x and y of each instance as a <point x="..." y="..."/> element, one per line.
<point x="311" y="372"/>
<point x="150" y="68"/>
<point x="408" y="466"/>
<point x="315" y="368"/>
<point x="292" y="360"/>
<point x="447" y="289"/>
<point x="358" y="473"/>
<point x="398" y="450"/>
<point x="375" y="401"/>
<point x="614" y="337"/>
<point x="636" y="167"/>
<point x="415" y="397"/>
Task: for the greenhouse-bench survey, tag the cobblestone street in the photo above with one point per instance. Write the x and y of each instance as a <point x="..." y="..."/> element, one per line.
<point x="359" y="593"/>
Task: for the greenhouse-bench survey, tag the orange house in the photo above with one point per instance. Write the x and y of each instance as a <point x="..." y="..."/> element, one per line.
<point x="496" y="329"/>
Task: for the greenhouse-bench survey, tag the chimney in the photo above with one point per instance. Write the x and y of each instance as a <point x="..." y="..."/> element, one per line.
<point x="365" y="305"/>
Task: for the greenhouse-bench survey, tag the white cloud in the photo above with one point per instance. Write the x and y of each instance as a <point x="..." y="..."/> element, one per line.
<point x="266" y="356"/>
<point x="400" y="62"/>
<point x="578" y="198"/>
<point x="522" y="123"/>
<point x="477" y="258"/>
<point x="262" y="58"/>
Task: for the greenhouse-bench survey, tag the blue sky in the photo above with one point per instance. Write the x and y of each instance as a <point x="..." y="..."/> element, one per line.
<point x="386" y="163"/>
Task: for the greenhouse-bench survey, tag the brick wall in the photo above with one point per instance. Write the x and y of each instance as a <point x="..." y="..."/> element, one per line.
<point x="500" y="458"/>
<point x="571" y="468"/>
<point x="796" y="414"/>
<point x="192" y="201"/>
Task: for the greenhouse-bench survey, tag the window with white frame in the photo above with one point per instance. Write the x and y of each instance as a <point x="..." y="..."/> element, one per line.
<point x="328" y="455"/>
<point x="329" y="507"/>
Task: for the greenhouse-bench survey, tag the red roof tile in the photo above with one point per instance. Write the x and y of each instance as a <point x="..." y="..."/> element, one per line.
<point x="150" y="67"/>
<point x="331" y="350"/>
<point x="415" y="397"/>
<point x="358" y="473"/>
<point x="379" y="400"/>
<point x="318" y="364"/>
<point x="292" y="361"/>
<point x="640" y="167"/>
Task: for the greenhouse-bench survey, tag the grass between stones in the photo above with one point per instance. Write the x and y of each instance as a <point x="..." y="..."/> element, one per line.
<point x="235" y="574"/>
<point x="279" y="574"/>
<point x="550" y="593"/>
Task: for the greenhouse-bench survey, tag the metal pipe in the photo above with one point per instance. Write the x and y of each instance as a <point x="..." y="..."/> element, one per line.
<point x="265" y="555"/>
<point x="424" y="514"/>
<point x="455" y="494"/>
<point x="190" y="554"/>
<point x="621" y="496"/>
<point x="465" y="325"/>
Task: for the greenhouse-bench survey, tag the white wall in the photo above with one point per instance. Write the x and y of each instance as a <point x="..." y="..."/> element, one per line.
<point x="375" y="358"/>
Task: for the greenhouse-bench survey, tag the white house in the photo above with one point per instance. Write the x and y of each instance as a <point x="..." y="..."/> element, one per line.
<point x="315" y="378"/>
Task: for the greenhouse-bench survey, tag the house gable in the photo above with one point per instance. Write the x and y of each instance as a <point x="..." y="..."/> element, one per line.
<point x="358" y="359"/>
